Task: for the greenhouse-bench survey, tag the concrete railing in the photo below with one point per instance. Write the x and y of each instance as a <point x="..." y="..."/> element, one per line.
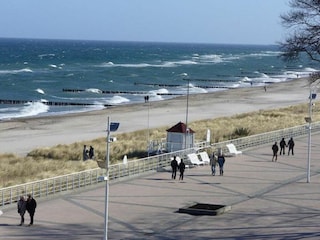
<point x="120" y="171"/>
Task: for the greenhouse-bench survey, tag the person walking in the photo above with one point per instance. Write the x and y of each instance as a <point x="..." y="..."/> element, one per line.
<point x="174" y="167"/>
<point x="85" y="153"/>
<point x="291" y="146"/>
<point x="213" y="164"/>
<point x="91" y="152"/>
<point x="22" y="207"/>
<point x="221" y="161"/>
<point x="182" y="167"/>
<point x="31" y="207"/>
<point x="275" y="150"/>
<point x="283" y="144"/>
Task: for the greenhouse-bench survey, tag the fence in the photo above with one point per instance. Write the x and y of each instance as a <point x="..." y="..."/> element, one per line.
<point x="120" y="171"/>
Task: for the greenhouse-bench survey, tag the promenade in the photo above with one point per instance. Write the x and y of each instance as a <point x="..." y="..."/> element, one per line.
<point x="269" y="200"/>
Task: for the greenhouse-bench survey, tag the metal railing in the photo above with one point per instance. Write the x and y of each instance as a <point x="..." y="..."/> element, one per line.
<point x="121" y="171"/>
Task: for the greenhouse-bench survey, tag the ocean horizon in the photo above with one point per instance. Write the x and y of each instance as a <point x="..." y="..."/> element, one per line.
<point x="55" y="77"/>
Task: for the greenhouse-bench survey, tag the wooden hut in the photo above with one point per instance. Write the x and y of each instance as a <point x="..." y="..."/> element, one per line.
<point x="179" y="137"/>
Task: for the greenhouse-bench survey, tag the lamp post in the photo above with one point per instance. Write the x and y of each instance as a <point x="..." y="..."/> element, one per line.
<point x="309" y="121"/>
<point x="148" y="137"/>
<point x="187" y="113"/>
<point x="111" y="127"/>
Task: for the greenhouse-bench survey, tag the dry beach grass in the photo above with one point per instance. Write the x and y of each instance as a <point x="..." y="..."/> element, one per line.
<point x="39" y="148"/>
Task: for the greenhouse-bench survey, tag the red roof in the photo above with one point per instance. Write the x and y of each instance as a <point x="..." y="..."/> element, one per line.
<point x="179" y="128"/>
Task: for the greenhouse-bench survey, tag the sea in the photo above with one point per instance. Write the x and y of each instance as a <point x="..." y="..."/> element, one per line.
<point x="54" y="77"/>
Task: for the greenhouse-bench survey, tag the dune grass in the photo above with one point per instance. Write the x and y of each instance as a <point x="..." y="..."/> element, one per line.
<point x="63" y="159"/>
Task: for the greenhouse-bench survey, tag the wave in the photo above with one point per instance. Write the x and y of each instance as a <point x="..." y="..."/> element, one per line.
<point x="117" y="100"/>
<point x="211" y="58"/>
<point x="145" y="65"/>
<point x="39" y="90"/>
<point x="28" y="110"/>
<point x="94" y="90"/>
<point x="24" y="70"/>
<point x="41" y="56"/>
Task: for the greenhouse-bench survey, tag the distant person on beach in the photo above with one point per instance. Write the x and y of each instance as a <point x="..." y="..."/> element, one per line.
<point x="85" y="153"/>
<point x="213" y="164"/>
<point x="275" y="150"/>
<point x="291" y="146"/>
<point x="31" y="207"/>
<point x="265" y="88"/>
<point x="174" y="167"/>
<point x="182" y="167"/>
<point x="221" y="160"/>
<point x="22" y="207"/>
<point x="91" y="152"/>
<point x="283" y="144"/>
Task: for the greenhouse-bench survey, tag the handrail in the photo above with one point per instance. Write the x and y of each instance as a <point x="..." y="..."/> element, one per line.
<point x="120" y="171"/>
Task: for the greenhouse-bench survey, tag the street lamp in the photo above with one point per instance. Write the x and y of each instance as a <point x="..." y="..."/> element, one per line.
<point x="308" y="119"/>
<point x="111" y="127"/>
<point x="187" y="113"/>
<point x="148" y="137"/>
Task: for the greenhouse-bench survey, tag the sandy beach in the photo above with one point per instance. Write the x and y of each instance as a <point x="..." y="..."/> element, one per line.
<point x="23" y="135"/>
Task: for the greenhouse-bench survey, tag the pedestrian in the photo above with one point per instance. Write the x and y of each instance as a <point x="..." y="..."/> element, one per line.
<point x="221" y="161"/>
<point x="213" y="164"/>
<point x="91" y="152"/>
<point x="22" y="207"/>
<point x="85" y="153"/>
<point x="174" y="167"/>
<point x="291" y="146"/>
<point x="182" y="167"/>
<point x="283" y="144"/>
<point x="275" y="150"/>
<point x="31" y="207"/>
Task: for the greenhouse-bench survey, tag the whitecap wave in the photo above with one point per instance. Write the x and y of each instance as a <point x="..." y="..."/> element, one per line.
<point x="15" y="71"/>
<point x="118" y="100"/>
<point x="29" y="109"/>
<point x="39" y="90"/>
<point x="94" y="90"/>
<point x="145" y="65"/>
<point x="46" y="55"/>
<point x="211" y="58"/>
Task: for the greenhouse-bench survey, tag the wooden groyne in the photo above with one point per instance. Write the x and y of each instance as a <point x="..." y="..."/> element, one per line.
<point x="176" y="85"/>
<point x="50" y="103"/>
<point x="121" y="92"/>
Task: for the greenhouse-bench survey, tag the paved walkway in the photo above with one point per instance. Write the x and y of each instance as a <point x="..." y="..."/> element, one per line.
<point x="270" y="200"/>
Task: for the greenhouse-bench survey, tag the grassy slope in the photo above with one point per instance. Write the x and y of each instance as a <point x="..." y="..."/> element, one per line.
<point x="63" y="159"/>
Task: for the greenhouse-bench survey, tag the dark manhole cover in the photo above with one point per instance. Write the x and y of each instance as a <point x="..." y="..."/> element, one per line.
<point x="205" y="209"/>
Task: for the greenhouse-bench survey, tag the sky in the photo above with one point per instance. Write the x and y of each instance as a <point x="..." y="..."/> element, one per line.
<point x="193" y="21"/>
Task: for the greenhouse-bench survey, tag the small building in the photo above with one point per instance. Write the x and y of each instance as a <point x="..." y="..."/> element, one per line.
<point x="179" y="137"/>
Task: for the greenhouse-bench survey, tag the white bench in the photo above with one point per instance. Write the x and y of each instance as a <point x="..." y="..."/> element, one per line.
<point x="232" y="149"/>
<point x="204" y="157"/>
<point x="193" y="158"/>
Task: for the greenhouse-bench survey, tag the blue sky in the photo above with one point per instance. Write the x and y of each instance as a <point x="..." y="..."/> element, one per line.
<point x="199" y="21"/>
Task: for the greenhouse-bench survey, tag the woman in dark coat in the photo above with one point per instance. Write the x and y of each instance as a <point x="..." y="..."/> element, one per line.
<point x="31" y="207"/>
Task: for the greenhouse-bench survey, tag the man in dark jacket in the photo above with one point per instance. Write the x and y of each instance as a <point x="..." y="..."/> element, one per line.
<point x="283" y="144"/>
<point x="182" y="167"/>
<point x="31" y="207"/>
<point x="174" y="167"/>
<point x="275" y="150"/>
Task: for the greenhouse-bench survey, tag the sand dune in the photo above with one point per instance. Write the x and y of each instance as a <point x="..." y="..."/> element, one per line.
<point x="22" y="135"/>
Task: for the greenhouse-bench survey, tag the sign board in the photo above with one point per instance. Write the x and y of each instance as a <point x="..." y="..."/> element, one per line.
<point x="114" y="126"/>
